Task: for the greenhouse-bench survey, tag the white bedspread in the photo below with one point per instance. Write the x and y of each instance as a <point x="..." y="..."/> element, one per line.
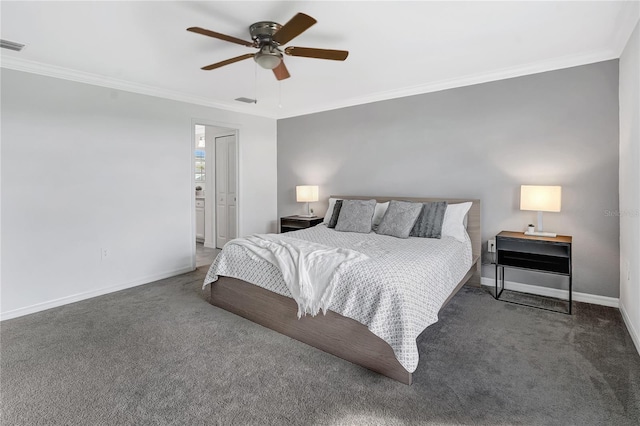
<point x="397" y="292"/>
<point x="310" y="270"/>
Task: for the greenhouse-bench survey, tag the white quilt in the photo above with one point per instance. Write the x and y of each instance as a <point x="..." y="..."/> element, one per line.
<point x="309" y="270"/>
<point x="397" y="292"/>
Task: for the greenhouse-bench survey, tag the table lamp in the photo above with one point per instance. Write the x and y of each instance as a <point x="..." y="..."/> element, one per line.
<point x="307" y="194"/>
<point x="540" y="199"/>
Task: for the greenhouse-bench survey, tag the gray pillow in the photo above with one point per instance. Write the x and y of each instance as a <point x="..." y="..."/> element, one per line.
<point x="336" y="213"/>
<point x="429" y="223"/>
<point x="399" y="219"/>
<point x="356" y="216"/>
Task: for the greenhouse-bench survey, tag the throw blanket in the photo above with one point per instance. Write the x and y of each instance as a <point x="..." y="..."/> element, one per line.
<point x="310" y="270"/>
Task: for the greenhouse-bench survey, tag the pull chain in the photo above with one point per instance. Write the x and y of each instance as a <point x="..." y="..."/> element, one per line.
<point x="255" y="80"/>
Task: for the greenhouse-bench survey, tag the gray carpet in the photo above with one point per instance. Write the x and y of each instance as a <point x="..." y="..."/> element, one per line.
<point x="161" y="354"/>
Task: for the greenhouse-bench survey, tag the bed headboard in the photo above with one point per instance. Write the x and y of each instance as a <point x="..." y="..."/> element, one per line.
<point x="473" y="217"/>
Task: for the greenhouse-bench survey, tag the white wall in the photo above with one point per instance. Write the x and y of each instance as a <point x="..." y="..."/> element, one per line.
<point x="630" y="185"/>
<point x="86" y="167"/>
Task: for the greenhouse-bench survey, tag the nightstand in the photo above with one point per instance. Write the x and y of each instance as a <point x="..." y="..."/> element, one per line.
<point x="542" y="254"/>
<point x="296" y="223"/>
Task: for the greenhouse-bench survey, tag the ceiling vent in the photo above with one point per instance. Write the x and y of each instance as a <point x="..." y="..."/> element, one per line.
<point x="11" y="45"/>
<point x="247" y="100"/>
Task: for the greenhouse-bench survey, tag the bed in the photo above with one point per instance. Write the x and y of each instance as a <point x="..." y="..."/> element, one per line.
<point x="393" y="318"/>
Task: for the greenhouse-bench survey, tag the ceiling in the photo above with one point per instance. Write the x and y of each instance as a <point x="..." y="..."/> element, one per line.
<point x="396" y="48"/>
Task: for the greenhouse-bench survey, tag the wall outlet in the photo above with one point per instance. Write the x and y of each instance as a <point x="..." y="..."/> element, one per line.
<point x="491" y="246"/>
<point x="104" y="253"/>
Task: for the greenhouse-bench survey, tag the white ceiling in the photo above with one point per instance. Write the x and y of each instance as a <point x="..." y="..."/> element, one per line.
<point x="396" y="48"/>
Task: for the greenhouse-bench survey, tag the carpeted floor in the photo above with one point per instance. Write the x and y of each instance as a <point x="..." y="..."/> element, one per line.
<point x="161" y="354"/>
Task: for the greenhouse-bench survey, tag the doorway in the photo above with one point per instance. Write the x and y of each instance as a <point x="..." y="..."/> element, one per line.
<point x="215" y="178"/>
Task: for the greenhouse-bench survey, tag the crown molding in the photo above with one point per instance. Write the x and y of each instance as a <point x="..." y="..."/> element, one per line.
<point x="19" y="64"/>
<point x="501" y="74"/>
<point x="627" y="18"/>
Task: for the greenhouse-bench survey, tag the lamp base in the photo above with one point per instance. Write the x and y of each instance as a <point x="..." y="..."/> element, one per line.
<point x="541" y="234"/>
<point x="307" y="215"/>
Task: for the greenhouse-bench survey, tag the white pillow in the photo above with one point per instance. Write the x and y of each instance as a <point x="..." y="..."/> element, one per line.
<point x="381" y="209"/>
<point x="453" y="224"/>
<point x="329" y="213"/>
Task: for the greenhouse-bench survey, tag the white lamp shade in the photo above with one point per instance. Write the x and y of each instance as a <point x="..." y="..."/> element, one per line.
<point x="540" y="198"/>
<point x="306" y="193"/>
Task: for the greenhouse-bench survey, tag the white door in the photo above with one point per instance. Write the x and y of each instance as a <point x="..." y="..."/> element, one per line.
<point x="226" y="189"/>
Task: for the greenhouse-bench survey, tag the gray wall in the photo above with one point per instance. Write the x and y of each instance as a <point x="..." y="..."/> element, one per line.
<point x="481" y="141"/>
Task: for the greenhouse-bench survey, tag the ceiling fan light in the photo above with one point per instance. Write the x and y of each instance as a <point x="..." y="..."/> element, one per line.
<point x="268" y="61"/>
<point x="268" y="58"/>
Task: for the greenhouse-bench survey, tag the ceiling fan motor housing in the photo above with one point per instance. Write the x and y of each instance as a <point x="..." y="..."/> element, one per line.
<point x="262" y="33"/>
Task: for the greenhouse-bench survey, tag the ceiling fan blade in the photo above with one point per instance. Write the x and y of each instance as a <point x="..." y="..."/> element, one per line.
<point x="227" y="62"/>
<point x="296" y="26"/>
<point x="219" y="36"/>
<point x="309" y="52"/>
<point x="281" y="72"/>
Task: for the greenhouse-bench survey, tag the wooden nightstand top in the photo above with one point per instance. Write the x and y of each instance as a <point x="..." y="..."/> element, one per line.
<point x="567" y="239"/>
<point x="302" y="218"/>
<point x="296" y="223"/>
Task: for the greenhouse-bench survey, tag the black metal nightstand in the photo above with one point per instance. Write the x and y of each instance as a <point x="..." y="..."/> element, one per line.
<point x="296" y="223"/>
<point x="542" y="254"/>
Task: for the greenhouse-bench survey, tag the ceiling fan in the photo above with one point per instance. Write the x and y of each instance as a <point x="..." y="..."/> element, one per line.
<point x="268" y="36"/>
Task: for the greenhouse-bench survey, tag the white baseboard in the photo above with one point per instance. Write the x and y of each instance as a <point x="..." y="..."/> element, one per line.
<point x="209" y="245"/>
<point x="43" y="306"/>
<point x="635" y="336"/>
<point x="595" y="299"/>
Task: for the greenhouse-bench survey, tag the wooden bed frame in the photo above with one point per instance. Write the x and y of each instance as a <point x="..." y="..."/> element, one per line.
<point x="332" y="333"/>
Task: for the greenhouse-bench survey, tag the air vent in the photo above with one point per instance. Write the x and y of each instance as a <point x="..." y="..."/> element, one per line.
<point x="247" y="100"/>
<point x="11" y="45"/>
